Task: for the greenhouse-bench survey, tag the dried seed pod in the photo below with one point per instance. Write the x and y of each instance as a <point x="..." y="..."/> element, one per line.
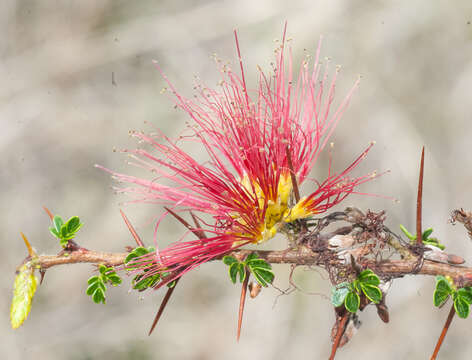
<point x="382" y="311"/>
<point x="455" y="259"/>
<point x="254" y="289"/>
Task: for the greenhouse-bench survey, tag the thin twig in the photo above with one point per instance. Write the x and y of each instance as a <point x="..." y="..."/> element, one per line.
<point x="419" y="203"/>
<point x="388" y="268"/>
<point x="452" y="312"/>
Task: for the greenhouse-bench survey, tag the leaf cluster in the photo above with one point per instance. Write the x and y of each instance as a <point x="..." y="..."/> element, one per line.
<point x="348" y="293"/>
<point x="97" y="284"/>
<point x="427" y="240"/>
<point x="461" y="297"/>
<point x="259" y="268"/>
<point x="65" y="231"/>
<point x="141" y="282"/>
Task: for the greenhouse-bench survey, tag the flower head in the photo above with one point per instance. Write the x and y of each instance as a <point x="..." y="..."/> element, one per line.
<point x="259" y="141"/>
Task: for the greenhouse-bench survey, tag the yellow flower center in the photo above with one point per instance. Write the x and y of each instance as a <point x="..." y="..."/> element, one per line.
<point x="277" y="206"/>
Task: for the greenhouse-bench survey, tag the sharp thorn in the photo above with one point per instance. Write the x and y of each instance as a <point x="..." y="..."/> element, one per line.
<point x="31" y="252"/>
<point x="163" y="306"/>
<point x="131" y="229"/>
<point x="419" y="202"/>
<point x="242" y="301"/>
<point x="197" y="225"/>
<point x="293" y="176"/>
<point x="51" y="216"/>
<point x="197" y="233"/>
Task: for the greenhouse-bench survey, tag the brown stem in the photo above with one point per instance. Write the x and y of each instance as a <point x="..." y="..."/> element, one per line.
<point x="419" y="202"/>
<point x="242" y="301"/>
<point x="163" y="305"/>
<point x="339" y="334"/>
<point x="452" y="312"/>
<point x="389" y="268"/>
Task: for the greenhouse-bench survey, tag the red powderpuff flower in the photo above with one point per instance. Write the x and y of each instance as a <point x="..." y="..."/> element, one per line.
<point x="256" y="140"/>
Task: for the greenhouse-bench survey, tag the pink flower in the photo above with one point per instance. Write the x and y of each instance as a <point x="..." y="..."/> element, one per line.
<point x="250" y="135"/>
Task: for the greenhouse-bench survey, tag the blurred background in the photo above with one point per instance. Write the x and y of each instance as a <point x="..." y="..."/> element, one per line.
<point x="78" y="75"/>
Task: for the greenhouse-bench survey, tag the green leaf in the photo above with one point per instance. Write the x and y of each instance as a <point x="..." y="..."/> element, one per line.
<point x="263" y="276"/>
<point x="407" y="233"/>
<point x="142" y="284"/>
<point x="352" y="301"/>
<point x="73" y="224"/>
<point x="93" y="279"/>
<point x="102" y="269"/>
<point x="63" y="233"/>
<point x="58" y="222"/>
<point x="258" y="263"/>
<point x="372" y="292"/>
<point x="442" y="292"/>
<point x="24" y="288"/>
<point x="54" y="232"/>
<point x="229" y="260"/>
<point x="171" y="284"/>
<point x="427" y="233"/>
<point x="99" y="296"/>
<point x="338" y="294"/>
<point x="251" y="257"/>
<point x="233" y="271"/>
<point x="434" y="242"/>
<point x="241" y="272"/>
<point x="94" y="286"/>
<point x="114" y="279"/>
<point x="368" y="277"/>
<point x="136" y="253"/>
<point x="466" y="294"/>
<point x="462" y="307"/>
<point x="356" y="284"/>
<point x="440" y="298"/>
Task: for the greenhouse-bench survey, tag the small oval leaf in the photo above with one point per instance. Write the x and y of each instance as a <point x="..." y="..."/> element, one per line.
<point x="58" y="222"/>
<point x="251" y="257"/>
<point x="263" y="277"/>
<point x="373" y="293"/>
<point x="233" y="271"/>
<point x="427" y="233"/>
<point x="228" y="260"/>
<point x="338" y="295"/>
<point x="440" y="297"/>
<point x="242" y="272"/>
<point x="352" y="301"/>
<point x="73" y="224"/>
<point x="99" y="296"/>
<point x="462" y="307"/>
<point x="466" y="294"/>
<point x="259" y="263"/>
